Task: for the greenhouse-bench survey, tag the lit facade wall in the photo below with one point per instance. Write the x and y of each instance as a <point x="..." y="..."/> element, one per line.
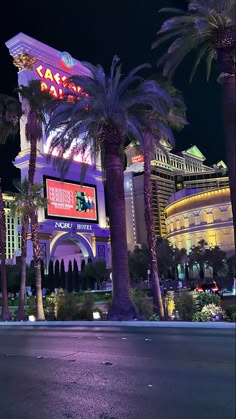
<point x="36" y="60"/>
<point x="202" y="215"/>
<point x="12" y="230"/>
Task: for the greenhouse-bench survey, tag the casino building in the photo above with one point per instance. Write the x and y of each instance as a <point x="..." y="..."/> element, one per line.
<point x="74" y="225"/>
<point x="193" y="215"/>
<point x="175" y="176"/>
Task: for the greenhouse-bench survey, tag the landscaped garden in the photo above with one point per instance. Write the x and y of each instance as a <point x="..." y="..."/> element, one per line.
<point x="182" y="305"/>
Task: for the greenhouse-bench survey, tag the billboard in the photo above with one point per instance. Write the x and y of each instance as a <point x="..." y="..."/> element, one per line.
<point x="71" y="200"/>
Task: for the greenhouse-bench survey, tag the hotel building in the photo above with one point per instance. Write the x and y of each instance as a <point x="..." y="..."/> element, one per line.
<point x="173" y="174"/>
<point x="74" y="225"/>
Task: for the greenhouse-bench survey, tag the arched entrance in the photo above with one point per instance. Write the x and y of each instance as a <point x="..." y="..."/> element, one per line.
<point x="70" y="247"/>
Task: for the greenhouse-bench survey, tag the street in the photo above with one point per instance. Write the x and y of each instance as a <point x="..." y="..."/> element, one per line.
<point x="118" y="373"/>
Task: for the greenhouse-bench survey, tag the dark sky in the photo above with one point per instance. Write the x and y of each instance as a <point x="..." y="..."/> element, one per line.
<point x="94" y="31"/>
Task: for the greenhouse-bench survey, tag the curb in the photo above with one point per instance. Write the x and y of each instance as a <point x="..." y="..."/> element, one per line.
<point x="172" y="324"/>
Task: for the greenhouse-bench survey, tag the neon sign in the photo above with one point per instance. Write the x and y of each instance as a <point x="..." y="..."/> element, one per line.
<point x="138" y="159"/>
<point x="54" y="81"/>
<point x="64" y="225"/>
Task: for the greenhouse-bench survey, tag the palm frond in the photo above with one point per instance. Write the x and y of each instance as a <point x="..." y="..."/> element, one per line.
<point x="202" y="25"/>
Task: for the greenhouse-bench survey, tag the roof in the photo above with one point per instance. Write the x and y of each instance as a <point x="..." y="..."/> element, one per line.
<point x="194" y="152"/>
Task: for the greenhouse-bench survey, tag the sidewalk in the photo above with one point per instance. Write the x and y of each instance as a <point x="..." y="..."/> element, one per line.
<point x="153" y="324"/>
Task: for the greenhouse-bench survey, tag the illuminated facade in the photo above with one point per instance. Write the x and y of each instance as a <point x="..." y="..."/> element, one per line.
<point x="171" y="172"/>
<point x="74" y="226"/>
<point x="12" y="230"/>
<point x="192" y="216"/>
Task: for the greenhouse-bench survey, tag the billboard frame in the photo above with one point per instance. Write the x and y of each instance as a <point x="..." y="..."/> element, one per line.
<point x="72" y="219"/>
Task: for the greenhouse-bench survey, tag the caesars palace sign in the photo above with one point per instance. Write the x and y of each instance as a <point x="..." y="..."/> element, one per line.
<point x="54" y="81"/>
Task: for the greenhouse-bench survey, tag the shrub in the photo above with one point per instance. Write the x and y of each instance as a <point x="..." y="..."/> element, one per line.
<point x="143" y="303"/>
<point x="184" y="304"/>
<point x="209" y="312"/>
<point x="213" y="312"/>
<point x="202" y="299"/>
<point x="30" y="310"/>
<point x="154" y="318"/>
<point x="50" y="308"/>
<point x="200" y="317"/>
<point x="231" y="312"/>
<point x="66" y="307"/>
<point x="86" y="310"/>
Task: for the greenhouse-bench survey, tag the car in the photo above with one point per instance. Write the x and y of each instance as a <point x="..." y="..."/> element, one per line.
<point x="210" y="287"/>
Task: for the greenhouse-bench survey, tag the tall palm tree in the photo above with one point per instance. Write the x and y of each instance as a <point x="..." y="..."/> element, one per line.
<point x="34" y="102"/>
<point x="209" y="27"/>
<point x="174" y="117"/>
<point x="107" y="109"/>
<point x="10" y="112"/>
<point x="22" y="206"/>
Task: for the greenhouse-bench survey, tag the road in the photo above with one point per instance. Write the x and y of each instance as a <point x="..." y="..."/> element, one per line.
<point x="59" y="373"/>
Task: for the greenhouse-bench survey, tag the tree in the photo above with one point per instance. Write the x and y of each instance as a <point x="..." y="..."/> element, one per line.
<point x="51" y="275"/>
<point x="171" y="112"/>
<point x="198" y="256"/>
<point x="107" y="109"/>
<point x="27" y="208"/>
<point x="62" y="273"/>
<point x="164" y="254"/>
<point x="75" y="276"/>
<point x="216" y="258"/>
<point x="57" y="274"/>
<point x="179" y="256"/>
<point x="70" y="277"/>
<point x="34" y="100"/>
<point x="208" y="27"/>
<point x="139" y="263"/>
<point x="10" y="113"/>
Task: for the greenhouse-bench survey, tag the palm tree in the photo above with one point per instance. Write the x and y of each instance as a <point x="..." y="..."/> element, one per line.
<point x="10" y="112"/>
<point x="27" y="209"/>
<point x="173" y="115"/>
<point x="107" y="109"/>
<point x="34" y="102"/>
<point x="209" y="27"/>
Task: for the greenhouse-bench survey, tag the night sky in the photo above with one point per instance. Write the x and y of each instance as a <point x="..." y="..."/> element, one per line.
<point x="96" y="30"/>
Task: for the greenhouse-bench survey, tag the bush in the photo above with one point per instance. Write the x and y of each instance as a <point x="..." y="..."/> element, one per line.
<point x="231" y="312"/>
<point x="210" y="312"/>
<point x="143" y="304"/>
<point x="86" y="310"/>
<point x="200" y="317"/>
<point x="202" y="299"/>
<point x="154" y="318"/>
<point x="66" y="307"/>
<point x="213" y="312"/>
<point x="184" y="304"/>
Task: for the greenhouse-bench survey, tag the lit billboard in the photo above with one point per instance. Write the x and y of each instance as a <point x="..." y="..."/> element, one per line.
<point x="71" y="200"/>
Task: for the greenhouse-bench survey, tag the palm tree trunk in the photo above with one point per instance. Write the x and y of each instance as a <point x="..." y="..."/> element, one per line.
<point x="24" y="233"/>
<point x="32" y="126"/>
<point x="151" y="238"/>
<point x="37" y="266"/>
<point x="5" y="316"/>
<point x="229" y="111"/>
<point x="122" y="307"/>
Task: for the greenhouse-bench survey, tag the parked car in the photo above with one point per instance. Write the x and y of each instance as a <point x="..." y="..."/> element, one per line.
<point x="210" y="287"/>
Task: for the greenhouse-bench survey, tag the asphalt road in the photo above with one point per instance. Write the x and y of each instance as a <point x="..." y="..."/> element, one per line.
<point x="59" y="373"/>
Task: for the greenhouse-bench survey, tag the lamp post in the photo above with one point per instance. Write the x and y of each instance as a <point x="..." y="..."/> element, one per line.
<point x="148" y="274"/>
